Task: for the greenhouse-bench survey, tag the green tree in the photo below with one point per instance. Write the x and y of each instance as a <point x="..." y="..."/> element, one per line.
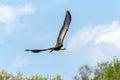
<point x="109" y="70"/>
<point x="58" y="77"/>
<point x="84" y="73"/>
<point x="4" y="75"/>
<point x="112" y="70"/>
<point x="99" y="70"/>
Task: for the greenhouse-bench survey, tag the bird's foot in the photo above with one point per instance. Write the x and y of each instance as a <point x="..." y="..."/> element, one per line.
<point x="51" y="51"/>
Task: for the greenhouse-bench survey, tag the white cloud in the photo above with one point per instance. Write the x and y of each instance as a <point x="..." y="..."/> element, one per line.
<point x="19" y="62"/>
<point x="96" y="42"/>
<point x="108" y="33"/>
<point x="9" y="15"/>
<point x="27" y="9"/>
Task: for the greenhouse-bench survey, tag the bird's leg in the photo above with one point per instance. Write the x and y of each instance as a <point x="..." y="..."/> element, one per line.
<point x="51" y="51"/>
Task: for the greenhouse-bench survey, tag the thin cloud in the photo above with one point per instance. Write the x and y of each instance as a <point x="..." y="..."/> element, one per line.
<point x="107" y="33"/>
<point x="25" y="10"/>
<point x="20" y="62"/>
<point x="95" y="43"/>
<point x="7" y="14"/>
<point x="10" y="14"/>
<point x="111" y="35"/>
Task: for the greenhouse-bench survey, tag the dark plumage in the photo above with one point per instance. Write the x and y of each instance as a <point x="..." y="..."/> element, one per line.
<point x="63" y="31"/>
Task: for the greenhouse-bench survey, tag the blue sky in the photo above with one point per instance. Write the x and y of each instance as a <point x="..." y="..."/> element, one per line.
<point x="93" y="36"/>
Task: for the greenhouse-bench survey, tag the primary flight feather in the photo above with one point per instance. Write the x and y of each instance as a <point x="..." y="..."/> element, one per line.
<point x="63" y="31"/>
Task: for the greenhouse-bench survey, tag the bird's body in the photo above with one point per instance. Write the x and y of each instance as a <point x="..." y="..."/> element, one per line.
<point x="63" y="31"/>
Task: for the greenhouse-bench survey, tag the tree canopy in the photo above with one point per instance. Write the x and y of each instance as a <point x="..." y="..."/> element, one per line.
<point x="5" y="75"/>
<point x="109" y="70"/>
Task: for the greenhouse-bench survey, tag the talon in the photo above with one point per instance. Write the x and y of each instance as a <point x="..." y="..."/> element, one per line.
<point x="51" y="51"/>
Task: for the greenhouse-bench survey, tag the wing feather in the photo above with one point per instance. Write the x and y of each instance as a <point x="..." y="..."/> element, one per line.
<point x="61" y="36"/>
<point x="39" y="50"/>
<point x="64" y="28"/>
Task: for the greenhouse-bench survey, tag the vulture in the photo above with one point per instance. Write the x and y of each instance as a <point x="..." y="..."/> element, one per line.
<point x="62" y="33"/>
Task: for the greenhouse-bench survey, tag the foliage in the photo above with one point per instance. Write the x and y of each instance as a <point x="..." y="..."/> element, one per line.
<point x="113" y="70"/>
<point x="4" y="75"/>
<point x="103" y="71"/>
<point x="84" y="73"/>
<point x="99" y="71"/>
<point x="58" y="77"/>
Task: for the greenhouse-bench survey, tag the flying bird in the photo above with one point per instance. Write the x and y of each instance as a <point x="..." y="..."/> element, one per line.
<point x="62" y="33"/>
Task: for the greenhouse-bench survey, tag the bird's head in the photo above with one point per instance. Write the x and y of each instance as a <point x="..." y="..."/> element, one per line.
<point x="62" y="48"/>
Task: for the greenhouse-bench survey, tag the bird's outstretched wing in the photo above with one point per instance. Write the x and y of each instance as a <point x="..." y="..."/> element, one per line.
<point x="39" y="50"/>
<point x="64" y="28"/>
<point x="61" y="36"/>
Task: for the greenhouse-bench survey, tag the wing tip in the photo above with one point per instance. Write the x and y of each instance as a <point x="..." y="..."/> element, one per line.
<point x="27" y="50"/>
<point x="68" y="13"/>
<point x="34" y="51"/>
